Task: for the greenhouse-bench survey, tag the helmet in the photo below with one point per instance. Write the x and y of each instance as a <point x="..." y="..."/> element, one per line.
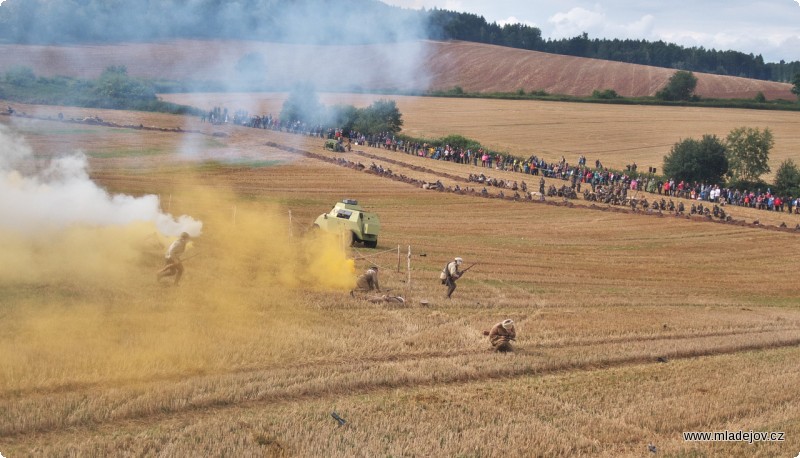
<point x="508" y="323"/>
<point x="184" y="235"/>
<point x="459" y="261"/>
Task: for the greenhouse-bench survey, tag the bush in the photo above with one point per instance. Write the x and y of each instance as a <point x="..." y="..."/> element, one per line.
<point x="20" y="76"/>
<point x="606" y="94"/>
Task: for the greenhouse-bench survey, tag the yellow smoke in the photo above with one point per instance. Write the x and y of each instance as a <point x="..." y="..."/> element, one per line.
<point x="82" y="305"/>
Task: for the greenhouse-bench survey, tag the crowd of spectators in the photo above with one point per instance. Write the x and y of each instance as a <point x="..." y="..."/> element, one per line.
<point x="579" y="172"/>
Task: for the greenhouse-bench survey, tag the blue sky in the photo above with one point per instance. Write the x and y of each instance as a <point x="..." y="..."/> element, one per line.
<point x="770" y="28"/>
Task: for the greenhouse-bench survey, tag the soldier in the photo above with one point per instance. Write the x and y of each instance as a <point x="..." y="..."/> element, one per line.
<point x="173" y="264"/>
<point x="501" y="336"/>
<point x="450" y="274"/>
<point x="368" y="281"/>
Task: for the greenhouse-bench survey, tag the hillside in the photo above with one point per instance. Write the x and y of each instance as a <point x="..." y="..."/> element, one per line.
<point x="408" y="66"/>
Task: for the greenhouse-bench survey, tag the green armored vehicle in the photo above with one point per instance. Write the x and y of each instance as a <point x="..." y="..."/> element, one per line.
<point x="334" y="146"/>
<point x="348" y="217"/>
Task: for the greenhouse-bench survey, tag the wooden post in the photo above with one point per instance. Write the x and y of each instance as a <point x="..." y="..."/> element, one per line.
<point x="291" y="232"/>
<point x="408" y="268"/>
<point x="398" y="258"/>
<point x="234" y="215"/>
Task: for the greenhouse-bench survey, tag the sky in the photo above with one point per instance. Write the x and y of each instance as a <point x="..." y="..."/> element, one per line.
<point x="767" y="27"/>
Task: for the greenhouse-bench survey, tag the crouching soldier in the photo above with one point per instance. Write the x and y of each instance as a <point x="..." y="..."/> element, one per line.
<point x="501" y="336"/>
<point x="368" y="281"/>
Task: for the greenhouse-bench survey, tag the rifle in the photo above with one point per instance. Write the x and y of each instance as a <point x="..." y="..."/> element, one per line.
<point x="173" y="263"/>
<point x="465" y="270"/>
<point x="189" y="257"/>
<point x="338" y="419"/>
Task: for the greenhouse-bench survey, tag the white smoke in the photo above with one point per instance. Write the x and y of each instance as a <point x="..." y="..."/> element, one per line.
<point x="61" y="194"/>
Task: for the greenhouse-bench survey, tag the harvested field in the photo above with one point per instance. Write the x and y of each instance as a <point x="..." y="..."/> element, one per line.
<point x="412" y="66"/>
<point x="633" y="328"/>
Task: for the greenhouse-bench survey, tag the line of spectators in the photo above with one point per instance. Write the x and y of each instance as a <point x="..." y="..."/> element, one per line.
<point x="532" y="165"/>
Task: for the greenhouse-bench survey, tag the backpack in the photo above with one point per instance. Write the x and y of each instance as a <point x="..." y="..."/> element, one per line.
<point x="445" y="274"/>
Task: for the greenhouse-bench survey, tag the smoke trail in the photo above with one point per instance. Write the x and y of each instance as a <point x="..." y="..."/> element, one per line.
<point x="61" y="194"/>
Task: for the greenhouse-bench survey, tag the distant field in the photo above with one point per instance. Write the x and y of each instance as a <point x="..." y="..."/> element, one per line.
<point x="408" y="66"/>
<point x="632" y="328"/>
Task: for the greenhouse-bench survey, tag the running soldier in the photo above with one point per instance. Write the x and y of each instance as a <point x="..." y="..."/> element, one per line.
<point x="450" y="274"/>
<point x="172" y="260"/>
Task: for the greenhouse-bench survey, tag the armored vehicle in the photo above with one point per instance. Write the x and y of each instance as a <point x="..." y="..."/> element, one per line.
<point x="334" y="146"/>
<point x="349" y="217"/>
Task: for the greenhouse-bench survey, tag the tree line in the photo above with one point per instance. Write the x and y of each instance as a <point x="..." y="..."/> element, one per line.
<point x="341" y="22"/>
<point x="114" y="89"/>
<point x="451" y="25"/>
<point x="739" y="160"/>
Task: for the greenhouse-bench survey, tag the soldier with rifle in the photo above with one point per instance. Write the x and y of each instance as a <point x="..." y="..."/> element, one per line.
<point x="501" y="336"/>
<point x="173" y="264"/>
<point x="450" y="274"/>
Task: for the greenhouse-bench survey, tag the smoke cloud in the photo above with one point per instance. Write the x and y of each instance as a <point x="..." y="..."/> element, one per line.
<point x="335" y="45"/>
<point x="57" y="224"/>
<point x="61" y="194"/>
<point x="81" y="303"/>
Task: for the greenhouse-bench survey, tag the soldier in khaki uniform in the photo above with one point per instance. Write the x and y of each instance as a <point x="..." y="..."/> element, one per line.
<point x="450" y="274"/>
<point x="172" y="260"/>
<point x="368" y="281"/>
<point x="501" y="336"/>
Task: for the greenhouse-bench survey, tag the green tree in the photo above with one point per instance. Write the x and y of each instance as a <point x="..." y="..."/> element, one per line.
<point x="381" y="116"/>
<point x="693" y="160"/>
<point x="787" y="179"/>
<point x="344" y="117"/>
<point x="796" y="85"/>
<point x="303" y="105"/>
<point x="680" y="87"/>
<point x="119" y="89"/>
<point x="748" y="153"/>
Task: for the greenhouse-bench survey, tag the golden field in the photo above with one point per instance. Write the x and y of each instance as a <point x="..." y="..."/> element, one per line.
<point x="632" y="328"/>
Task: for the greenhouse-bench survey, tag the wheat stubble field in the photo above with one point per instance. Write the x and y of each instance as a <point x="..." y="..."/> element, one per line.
<point x="632" y="328"/>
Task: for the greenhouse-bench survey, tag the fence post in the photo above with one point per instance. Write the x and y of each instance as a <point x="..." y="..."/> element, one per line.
<point x="408" y="284"/>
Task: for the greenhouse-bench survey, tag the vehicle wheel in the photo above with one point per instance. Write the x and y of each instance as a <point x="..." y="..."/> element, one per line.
<point x="354" y="240"/>
<point x="370" y="244"/>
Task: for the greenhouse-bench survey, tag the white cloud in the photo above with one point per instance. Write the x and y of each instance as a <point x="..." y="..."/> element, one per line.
<point x="773" y="47"/>
<point x="514" y="20"/>
<point x="576" y="21"/>
<point x="598" y="25"/>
